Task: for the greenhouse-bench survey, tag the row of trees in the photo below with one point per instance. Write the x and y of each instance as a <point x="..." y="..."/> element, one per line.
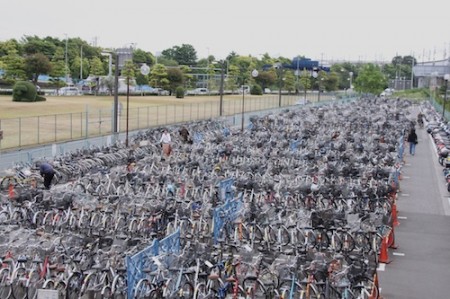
<point x="32" y="56"/>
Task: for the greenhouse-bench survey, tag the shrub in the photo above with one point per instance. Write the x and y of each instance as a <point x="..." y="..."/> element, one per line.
<point x="179" y="92"/>
<point x="24" y="91"/>
<point x="256" y="90"/>
<point x="40" y="98"/>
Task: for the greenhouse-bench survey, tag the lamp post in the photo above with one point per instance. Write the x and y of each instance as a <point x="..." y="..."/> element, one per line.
<point x="315" y="74"/>
<point x="255" y="74"/>
<point x="446" y="78"/>
<point x="351" y="77"/>
<point x="318" y="97"/>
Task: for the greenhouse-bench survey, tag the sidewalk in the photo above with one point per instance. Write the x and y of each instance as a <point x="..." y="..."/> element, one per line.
<point x="419" y="267"/>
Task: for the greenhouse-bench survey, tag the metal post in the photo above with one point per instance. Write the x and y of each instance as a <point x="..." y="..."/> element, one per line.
<point x="243" y="106"/>
<point x="445" y="96"/>
<point x="128" y="109"/>
<point x="116" y="96"/>
<point x="222" y="75"/>
<point x="38" y="124"/>
<point x="55" y="125"/>
<point x="71" y="126"/>
<point x="279" y="89"/>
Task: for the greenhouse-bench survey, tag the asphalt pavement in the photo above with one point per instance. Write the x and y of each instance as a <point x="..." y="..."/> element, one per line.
<point x="420" y="266"/>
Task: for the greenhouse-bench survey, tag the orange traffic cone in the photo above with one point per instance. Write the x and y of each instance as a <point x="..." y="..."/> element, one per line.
<point x="391" y="239"/>
<point x="384" y="256"/>
<point x="395" y="221"/>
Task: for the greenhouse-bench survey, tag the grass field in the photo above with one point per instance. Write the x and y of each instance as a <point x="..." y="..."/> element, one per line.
<point x="74" y="104"/>
<point x="62" y="118"/>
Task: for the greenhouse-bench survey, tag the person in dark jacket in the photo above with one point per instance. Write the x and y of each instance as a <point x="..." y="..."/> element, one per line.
<point x="412" y="139"/>
<point x="47" y="172"/>
<point x="184" y="133"/>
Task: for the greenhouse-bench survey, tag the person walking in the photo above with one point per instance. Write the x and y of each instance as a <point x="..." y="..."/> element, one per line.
<point x="47" y="172"/>
<point x="166" y="141"/>
<point x="412" y="139"/>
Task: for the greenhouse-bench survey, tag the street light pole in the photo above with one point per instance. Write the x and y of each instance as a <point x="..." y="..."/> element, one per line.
<point x="446" y="78"/>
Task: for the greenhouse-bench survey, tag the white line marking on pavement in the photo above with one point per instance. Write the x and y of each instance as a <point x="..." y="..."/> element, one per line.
<point x="406" y="177"/>
<point x="404" y="194"/>
<point x="402" y="217"/>
<point x="398" y="253"/>
<point x="381" y="267"/>
<point x="407" y="164"/>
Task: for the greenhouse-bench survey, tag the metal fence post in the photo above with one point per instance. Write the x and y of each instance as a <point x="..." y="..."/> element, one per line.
<point x="100" y="121"/>
<point x="56" y="119"/>
<point x="71" y="126"/>
<point x="20" y="131"/>
<point x="138" y="113"/>
<point x="38" y="125"/>
<point x="87" y="122"/>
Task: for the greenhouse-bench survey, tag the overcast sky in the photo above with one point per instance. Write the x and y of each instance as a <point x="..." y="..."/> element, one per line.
<point x="324" y="29"/>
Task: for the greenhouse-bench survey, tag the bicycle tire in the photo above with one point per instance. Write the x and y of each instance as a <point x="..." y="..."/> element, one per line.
<point x="34" y="283"/>
<point x="119" y="286"/>
<point x="5" y="287"/>
<point x="142" y="289"/>
<point x="187" y="291"/>
<point x="155" y="294"/>
<point x="74" y="284"/>
<point x="19" y="288"/>
<point x="5" y="217"/>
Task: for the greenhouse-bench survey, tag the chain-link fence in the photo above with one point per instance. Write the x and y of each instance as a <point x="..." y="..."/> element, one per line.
<point x="46" y="129"/>
<point x="139" y="119"/>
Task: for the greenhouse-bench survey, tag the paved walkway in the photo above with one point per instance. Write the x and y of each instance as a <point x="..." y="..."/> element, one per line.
<point x="420" y="266"/>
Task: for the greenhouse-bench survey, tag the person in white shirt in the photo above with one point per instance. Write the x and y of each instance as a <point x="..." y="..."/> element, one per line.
<point x="166" y="143"/>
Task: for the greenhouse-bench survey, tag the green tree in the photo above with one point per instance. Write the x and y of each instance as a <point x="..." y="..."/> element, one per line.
<point x="37" y="64"/>
<point x="305" y="80"/>
<point x="129" y="72"/>
<point x="288" y="81"/>
<point x="175" y="77"/>
<point x="58" y="69"/>
<point x="370" y="79"/>
<point x="211" y="72"/>
<point x="141" y="79"/>
<point x="96" y="67"/>
<point x="187" y="76"/>
<point x="184" y="54"/>
<point x="158" y="76"/>
<point x="231" y="82"/>
<point x="141" y="57"/>
<point x="330" y="82"/>
<point x="266" y="79"/>
<point x="14" y="64"/>
<point x="34" y="45"/>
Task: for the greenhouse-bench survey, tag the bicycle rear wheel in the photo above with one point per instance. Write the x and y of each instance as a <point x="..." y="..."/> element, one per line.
<point x="19" y="289"/>
<point x="5" y="287"/>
